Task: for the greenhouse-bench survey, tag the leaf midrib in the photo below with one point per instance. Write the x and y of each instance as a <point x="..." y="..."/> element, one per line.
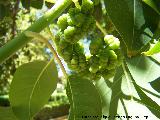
<point x="36" y="83"/>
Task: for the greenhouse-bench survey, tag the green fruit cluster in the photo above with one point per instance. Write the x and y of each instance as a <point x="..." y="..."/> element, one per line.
<point x="105" y="53"/>
<point x="75" y="25"/>
<point x="105" y="57"/>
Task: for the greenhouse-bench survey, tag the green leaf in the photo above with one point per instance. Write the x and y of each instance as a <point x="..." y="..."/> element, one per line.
<point x="152" y="5"/>
<point x="84" y="99"/>
<point x="143" y="69"/>
<point x="37" y="3"/>
<point x="34" y="3"/>
<point x="153" y="50"/>
<point x="6" y="113"/>
<point x="116" y="92"/>
<point x="105" y="94"/>
<point x="31" y="87"/>
<point x="26" y="3"/>
<point x="50" y="1"/>
<point x="128" y="18"/>
<point x="149" y="103"/>
<point x="156" y="84"/>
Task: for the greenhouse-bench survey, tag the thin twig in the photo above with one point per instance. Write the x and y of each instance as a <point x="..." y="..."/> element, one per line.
<point x="101" y="28"/>
<point x="41" y="38"/>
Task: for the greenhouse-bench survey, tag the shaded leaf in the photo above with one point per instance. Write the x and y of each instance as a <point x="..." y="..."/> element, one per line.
<point x="84" y="99"/>
<point x="128" y="18"/>
<point x="31" y="87"/>
<point x="156" y="84"/>
<point x="34" y="3"/>
<point x="152" y="5"/>
<point x="143" y="69"/>
<point x="150" y="104"/>
<point x="37" y="4"/>
<point x="116" y="92"/>
<point x="6" y="113"/>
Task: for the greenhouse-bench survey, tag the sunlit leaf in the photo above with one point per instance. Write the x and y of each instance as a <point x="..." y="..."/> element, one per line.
<point x="153" y="50"/>
<point x="143" y="69"/>
<point x="31" y="87"/>
<point x="84" y="99"/>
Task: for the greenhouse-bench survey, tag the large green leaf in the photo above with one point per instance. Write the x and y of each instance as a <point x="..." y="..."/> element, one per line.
<point x="143" y="69"/>
<point x="84" y="99"/>
<point x="31" y="87"/>
<point x="105" y="93"/>
<point x="149" y="103"/>
<point x="128" y="18"/>
<point x="116" y="92"/>
<point x="6" y="113"/>
<point x="156" y="84"/>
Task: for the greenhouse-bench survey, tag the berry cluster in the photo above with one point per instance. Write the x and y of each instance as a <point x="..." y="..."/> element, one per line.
<point x="75" y="25"/>
<point x="106" y="56"/>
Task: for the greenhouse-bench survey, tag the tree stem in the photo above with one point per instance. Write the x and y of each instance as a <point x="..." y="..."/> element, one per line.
<point x="18" y="42"/>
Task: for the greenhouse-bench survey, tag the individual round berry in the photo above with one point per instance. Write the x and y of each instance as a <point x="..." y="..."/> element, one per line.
<point x="78" y="49"/>
<point x="95" y="46"/>
<point x="87" y="6"/>
<point x="112" y="55"/>
<point x="95" y="76"/>
<point x="107" y="74"/>
<point x="76" y="20"/>
<point x="62" y="21"/>
<point x="74" y="62"/>
<point x="62" y="43"/>
<point x="112" y="41"/>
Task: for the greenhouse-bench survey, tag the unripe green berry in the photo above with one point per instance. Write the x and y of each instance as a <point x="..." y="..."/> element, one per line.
<point x="112" y="42"/>
<point x="94" y="68"/>
<point x="107" y="74"/>
<point x="112" y="55"/>
<point x="76" y="20"/>
<point x="69" y="32"/>
<point x="78" y="49"/>
<point x="62" y="21"/>
<point x="63" y="44"/>
<point x="95" y="76"/>
<point x="94" y="60"/>
<point x="95" y="46"/>
<point x="87" y="6"/>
